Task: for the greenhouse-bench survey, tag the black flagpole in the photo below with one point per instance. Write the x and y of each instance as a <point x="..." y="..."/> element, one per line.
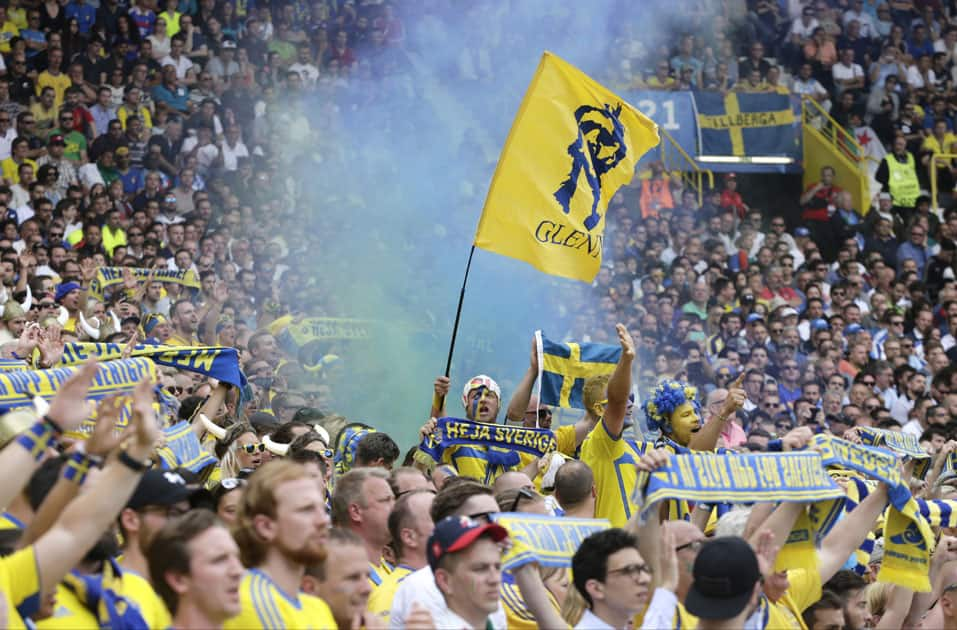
<point x="458" y="311"/>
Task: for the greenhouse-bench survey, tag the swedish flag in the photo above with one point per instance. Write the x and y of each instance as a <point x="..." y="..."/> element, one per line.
<point x="741" y="124"/>
<point x="563" y="368"/>
<point x="573" y="144"/>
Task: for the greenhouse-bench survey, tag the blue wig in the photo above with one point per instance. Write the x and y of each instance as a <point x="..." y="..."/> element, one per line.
<point x="668" y="396"/>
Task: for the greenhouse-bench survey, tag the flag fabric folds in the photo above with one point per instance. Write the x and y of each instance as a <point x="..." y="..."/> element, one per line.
<point x="563" y="368"/>
<point x="573" y="144"/>
<point x="742" y="124"/>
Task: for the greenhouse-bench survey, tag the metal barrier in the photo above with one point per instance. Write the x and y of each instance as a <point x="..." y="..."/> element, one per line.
<point x="827" y="143"/>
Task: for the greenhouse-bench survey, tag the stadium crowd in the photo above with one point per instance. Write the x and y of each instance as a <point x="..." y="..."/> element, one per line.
<point x="152" y="160"/>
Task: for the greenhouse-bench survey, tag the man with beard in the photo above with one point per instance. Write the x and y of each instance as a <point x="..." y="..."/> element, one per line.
<point x="185" y="324"/>
<point x="195" y="567"/>
<point x="280" y="529"/>
<point x="158" y="496"/>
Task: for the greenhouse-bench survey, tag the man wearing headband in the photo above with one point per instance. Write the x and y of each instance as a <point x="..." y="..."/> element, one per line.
<point x="481" y="398"/>
<point x="70" y="295"/>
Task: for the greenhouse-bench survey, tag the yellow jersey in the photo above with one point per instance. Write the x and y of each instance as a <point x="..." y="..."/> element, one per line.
<point x="785" y="614"/>
<point x="380" y="601"/>
<point x="60" y="83"/>
<point x="9" y="521"/>
<point x="20" y="586"/>
<point x="11" y="170"/>
<point x="68" y="614"/>
<point x="612" y="461"/>
<point x="517" y="614"/>
<point x="177" y="340"/>
<point x="264" y="605"/>
<point x="138" y="592"/>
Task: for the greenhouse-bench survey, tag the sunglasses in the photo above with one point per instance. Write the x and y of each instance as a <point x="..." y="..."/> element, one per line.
<point x="523" y="493"/>
<point x="231" y="483"/>
<point x="252" y="448"/>
<point x="694" y="545"/>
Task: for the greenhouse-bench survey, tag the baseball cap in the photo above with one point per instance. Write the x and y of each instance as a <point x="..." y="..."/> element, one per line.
<point x="57" y="139"/>
<point x="64" y="289"/>
<point x="820" y="324"/>
<point x="228" y="43"/>
<point x="455" y="533"/>
<point x="853" y="329"/>
<point x="122" y="151"/>
<point x="802" y="231"/>
<point x="160" y="487"/>
<point x="724" y="574"/>
<point x="754" y="317"/>
<point x="884" y="197"/>
<point x="788" y="312"/>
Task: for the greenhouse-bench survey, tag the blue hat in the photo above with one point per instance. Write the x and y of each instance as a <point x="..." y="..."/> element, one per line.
<point x="64" y="289"/>
<point x="853" y="329"/>
<point x="455" y="533"/>
<point x="754" y="317"/>
<point x="820" y="324"/>
<point x="802" y="231"/>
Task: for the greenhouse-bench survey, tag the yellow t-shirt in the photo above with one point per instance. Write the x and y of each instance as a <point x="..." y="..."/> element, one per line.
<point x="20" y="586"/>
<point x="139" y="592"/>
<point x="612" y="461"/>
<point x="122" y="113"/>
<point x="935" y="146"/>
<point x="804" y="590"/>
<point x="69" y="614"/>
<point x="380" y="601"/>
<point x="264" y="605"/>
<point x="177" y="340"/>
<point x="11" y="169"/>
<point x="9" y="521"/>
<point x="8" y="31"/>
<point x="517" y="614"/>
<point x="60" y="83"/>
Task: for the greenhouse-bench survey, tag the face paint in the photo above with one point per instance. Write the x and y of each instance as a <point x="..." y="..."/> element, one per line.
<point x="483" y="391"/>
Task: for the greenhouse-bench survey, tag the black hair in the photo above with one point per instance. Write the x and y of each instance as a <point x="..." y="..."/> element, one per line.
<point x="590" y="562"/>
<point x="375" y="446"/>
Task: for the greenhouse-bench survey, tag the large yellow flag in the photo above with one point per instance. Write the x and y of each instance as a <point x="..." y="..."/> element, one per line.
<point x="572" y="146"/>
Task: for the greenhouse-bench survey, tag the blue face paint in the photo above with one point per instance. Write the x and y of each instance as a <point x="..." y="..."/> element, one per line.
<point x="478" y="399"/>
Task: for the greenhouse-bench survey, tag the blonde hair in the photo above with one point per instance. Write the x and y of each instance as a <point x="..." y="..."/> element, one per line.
<point x="594" y="391"/>
<point x="573" y="607"/>
<point x="259" y="497"/>
<point x="876" y="594"/>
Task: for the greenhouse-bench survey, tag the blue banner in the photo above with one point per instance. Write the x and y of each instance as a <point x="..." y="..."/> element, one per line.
<point x="674" y="112"/>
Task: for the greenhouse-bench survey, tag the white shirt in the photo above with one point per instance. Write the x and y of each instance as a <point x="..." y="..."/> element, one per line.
<point x="231" y="155"/>
<point x="590" y="621"/>
<point x="182" y="65"/>
<point x="868" y="29"/>
<point x="913" y="427"/>
<point x="661" y="610"/>
<point x="5" y="141"/>
<point x="916" y="80"/>
<point x="798" y="27"/>
<point x="308" y="72"/>
<point x="845" y="73"/>
<point x="419" y="587"/>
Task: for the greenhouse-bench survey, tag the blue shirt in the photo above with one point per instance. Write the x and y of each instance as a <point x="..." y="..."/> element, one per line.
<point x="85" y="16"/>
<point x="30" y="35"/>
<point x="177" y="99"/>
<point x="132" y="180"/>
<point x="908" y="250"/>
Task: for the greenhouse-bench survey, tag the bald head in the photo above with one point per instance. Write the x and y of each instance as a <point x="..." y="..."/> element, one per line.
<point x="574" y="485"/>
<point x="509" y="480"/>
<point x="716" y="400"/>
<point x="685" y="535"/>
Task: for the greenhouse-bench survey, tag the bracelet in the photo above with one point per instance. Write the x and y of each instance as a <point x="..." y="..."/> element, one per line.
<point x="136" y="465"/>
<point x="77" y="467"/>
<point x="37" y="439"/>
<point x="57" y="429"/>
<point x="97" y="460"/>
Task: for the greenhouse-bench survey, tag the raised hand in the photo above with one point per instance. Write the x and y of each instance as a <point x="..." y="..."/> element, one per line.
<point x="51" y="345"/>
<point x="736" y="397"/>
<point x="653" y="460"/>
<point x="28" y="341"/>
<point x="69" y="408"/>
<point x="667" y="561"/>
<point x="627" y="343"/>
<point x="441" y="386"/>
<point x="105" y="438"/>
<point x="144" y="426"/>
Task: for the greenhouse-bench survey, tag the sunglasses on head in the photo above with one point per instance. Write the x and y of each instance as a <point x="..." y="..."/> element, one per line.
<point x="523" y="493"/>
<point x="231" y="483"/>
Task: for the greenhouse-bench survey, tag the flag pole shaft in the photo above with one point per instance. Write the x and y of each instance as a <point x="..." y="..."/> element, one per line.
<point x="458" y="311"/>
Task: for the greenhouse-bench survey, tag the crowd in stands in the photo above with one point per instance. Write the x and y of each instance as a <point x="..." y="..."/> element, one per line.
<point x="167" y="149"/>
